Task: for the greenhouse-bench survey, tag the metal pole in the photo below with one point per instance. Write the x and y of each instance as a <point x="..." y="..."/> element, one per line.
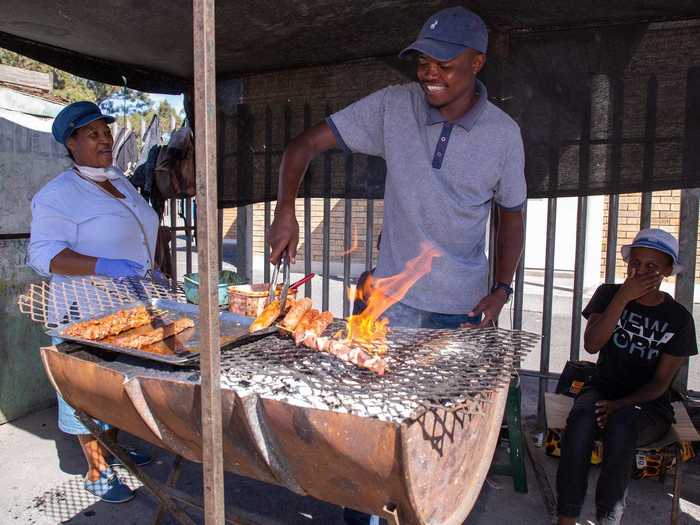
<point x="207" y="253"/>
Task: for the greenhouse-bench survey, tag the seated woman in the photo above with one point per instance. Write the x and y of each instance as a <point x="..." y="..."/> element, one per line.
<point x="90" y="220"/>
<point x="642" y="337"/>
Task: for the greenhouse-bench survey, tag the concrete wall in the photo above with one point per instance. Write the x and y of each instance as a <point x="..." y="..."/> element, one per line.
<point x="28" y="159"/>
<point x="23" y="384"/>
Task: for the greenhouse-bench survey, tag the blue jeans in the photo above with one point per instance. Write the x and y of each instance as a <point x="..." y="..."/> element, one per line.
<point x="625" y="430"/>
<point x="400" y="314"/>
<point x="67" y="420"/>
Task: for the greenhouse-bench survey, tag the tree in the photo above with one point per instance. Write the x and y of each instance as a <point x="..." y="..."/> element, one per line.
<point x="111" y="99"/>
<point x="114" y="100"/>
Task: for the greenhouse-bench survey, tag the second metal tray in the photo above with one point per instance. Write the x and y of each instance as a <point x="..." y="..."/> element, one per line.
<point x="183" y="348"/>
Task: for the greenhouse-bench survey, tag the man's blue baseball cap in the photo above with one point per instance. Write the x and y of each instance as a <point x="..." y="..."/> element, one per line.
<point x="448" y="33"/>
<point x="74" y="116"/>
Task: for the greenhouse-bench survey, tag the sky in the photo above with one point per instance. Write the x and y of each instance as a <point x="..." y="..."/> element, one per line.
<point x="173" y="100"/>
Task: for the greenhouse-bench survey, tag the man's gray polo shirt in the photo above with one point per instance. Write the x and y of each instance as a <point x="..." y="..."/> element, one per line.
<point x="440" y="180"/>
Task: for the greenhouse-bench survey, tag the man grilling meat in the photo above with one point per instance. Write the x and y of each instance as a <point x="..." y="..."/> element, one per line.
<point x="449" y="153"/>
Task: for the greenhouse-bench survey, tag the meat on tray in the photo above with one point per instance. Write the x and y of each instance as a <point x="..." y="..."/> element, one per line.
<point x="110" y="325"/>
<point x="138" y="341"/>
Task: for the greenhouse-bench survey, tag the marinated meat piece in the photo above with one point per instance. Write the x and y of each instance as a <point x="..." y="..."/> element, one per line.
<point x="268" y="316"/>
<point x="296" y="312"/>
<point x="316" y="328"/>
<point x="304" y="324"/>
<point x="150" y="337"/>
<point x="110" y="325"/>
<point x="352" y="354"/>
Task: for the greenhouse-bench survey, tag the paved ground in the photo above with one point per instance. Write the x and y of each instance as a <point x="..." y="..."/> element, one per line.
<point x="42" y="469"/>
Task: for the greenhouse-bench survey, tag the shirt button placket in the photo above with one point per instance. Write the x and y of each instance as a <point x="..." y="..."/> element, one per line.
<point x="442" y="145"/>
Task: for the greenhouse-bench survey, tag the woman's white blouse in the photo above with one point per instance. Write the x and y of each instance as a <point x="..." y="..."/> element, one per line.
<point x="71" y="212"/>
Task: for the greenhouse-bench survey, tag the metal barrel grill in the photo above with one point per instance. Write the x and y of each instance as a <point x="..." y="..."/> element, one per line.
<point x="413" y="445"/>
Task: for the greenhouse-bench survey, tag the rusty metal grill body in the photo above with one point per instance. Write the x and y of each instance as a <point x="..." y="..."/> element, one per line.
<point x="415" y="443"/>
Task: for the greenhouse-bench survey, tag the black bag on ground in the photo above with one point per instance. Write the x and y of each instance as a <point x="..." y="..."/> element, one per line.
<point x="575" y="375"/>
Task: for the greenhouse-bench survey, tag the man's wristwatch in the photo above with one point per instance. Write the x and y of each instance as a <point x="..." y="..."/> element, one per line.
<point x="503" y="286"/>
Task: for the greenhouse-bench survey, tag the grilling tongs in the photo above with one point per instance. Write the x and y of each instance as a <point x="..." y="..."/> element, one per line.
<point x="285" y="284"/>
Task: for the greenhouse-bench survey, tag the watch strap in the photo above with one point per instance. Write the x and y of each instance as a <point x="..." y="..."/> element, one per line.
<point x="503" y="286"/>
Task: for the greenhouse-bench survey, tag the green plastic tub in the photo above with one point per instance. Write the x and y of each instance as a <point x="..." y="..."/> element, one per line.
<point x="226" y="278"/>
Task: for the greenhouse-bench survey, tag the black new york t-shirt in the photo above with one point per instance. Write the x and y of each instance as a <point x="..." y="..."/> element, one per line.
<point x="629" y="358"/>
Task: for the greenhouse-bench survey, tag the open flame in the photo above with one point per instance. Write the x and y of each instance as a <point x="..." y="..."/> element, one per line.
<point x="380" y="293"/>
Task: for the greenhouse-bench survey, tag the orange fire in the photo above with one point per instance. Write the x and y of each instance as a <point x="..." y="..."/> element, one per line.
<point x="381" y="293"/>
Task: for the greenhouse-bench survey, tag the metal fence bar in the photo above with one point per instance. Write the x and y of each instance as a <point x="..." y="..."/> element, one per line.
<point x="649" y="149"/>
<point x="611" y="250"/>
<point x="268" y="191"/>
<point x="579" y="267"/>
<point x="172" y="207"/>
<point x="547" y="307"/>
<point x="493" y="229"/>
<point x="220" y="236"/>
<point x="327" y="166"/>
<point x="687" y="252"/>
<point x="688" y="232"/>
<point x="548" y="291"/>
<point x="617" y="94"/>
<point x="584" y="165"/>
<point x="188" y="235"/>
<point x="205" y="149"/>
<point x="347" y="237"/>
<point x="369" y="234"/>
<point x="307" y="212"/>
<point x="519" y="290"/>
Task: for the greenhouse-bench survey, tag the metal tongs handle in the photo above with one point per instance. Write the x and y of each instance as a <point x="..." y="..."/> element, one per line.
<point x="285" y="284"/>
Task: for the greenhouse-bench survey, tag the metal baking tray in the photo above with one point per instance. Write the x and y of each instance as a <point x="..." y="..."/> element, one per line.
<point x="183" y="348"/>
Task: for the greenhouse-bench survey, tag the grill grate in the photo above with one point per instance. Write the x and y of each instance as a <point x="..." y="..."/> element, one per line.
<point x="427" y="369"/>
<point x="61" y="303"/>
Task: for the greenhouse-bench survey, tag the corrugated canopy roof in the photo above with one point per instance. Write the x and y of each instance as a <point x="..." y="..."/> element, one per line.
<point x="150" y="43"/>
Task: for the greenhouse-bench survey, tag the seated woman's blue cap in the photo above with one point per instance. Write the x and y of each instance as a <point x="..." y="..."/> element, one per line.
<point x="74" y="116"/>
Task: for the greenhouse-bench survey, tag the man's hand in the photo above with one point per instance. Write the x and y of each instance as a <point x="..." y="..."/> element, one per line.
<point x="284" y="235"/>
<point x="490" y="306"/>
<point x="636" y="286"/>
<point x="603" y="409"/>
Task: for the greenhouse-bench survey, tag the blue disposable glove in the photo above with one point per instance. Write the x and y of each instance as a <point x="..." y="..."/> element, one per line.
<point x="116" y="268"/>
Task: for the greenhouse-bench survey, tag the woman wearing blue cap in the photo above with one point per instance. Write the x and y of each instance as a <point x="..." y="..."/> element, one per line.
<point x="90" y="220"/>
<point x="642" y="337"/>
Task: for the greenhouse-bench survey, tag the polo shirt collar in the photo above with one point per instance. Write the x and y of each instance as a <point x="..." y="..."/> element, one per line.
<point x="467" y="120"/>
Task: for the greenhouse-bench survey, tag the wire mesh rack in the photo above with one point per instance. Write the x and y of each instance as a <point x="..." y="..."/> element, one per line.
<point x="427" y="369"/>
<point x="81" y="298"/>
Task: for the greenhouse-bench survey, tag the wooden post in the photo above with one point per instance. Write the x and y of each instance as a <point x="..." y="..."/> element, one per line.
<point x="207" y="252"/>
